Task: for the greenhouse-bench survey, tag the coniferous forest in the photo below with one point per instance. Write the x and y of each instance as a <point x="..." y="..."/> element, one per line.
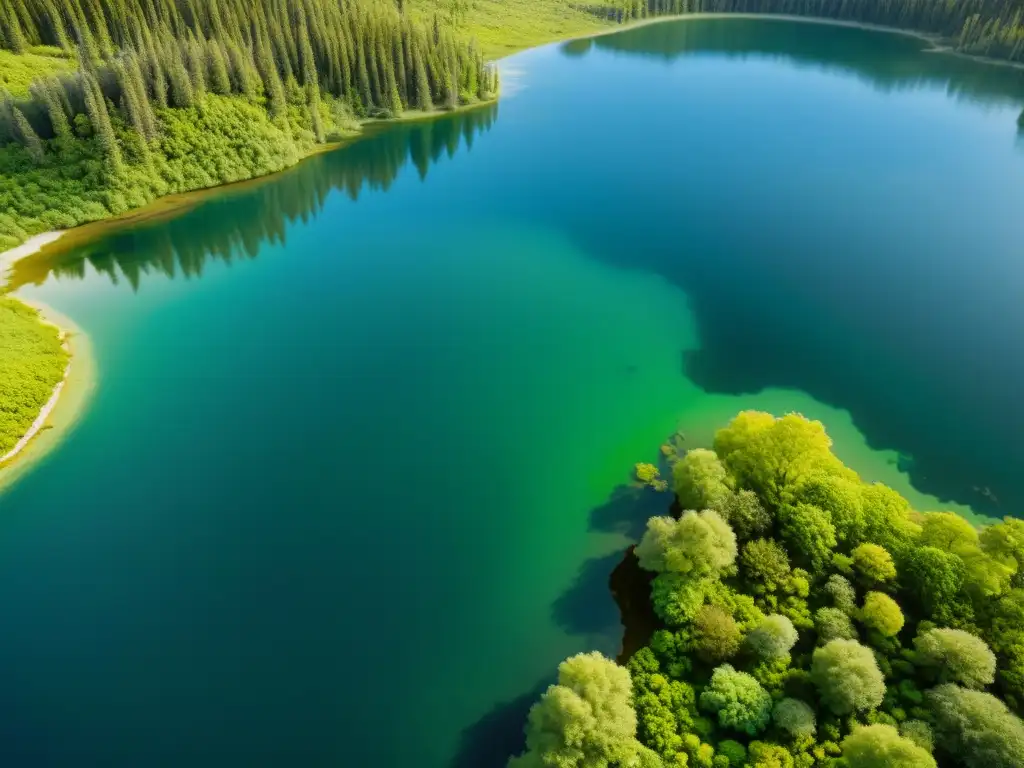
<point x="170" y="96"/>
<point x="992" y="28"/>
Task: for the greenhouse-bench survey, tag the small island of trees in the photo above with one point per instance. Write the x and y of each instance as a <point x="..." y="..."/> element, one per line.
<point x="808" y="619"/>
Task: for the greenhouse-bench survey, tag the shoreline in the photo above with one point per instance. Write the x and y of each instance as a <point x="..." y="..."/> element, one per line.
<point x="30" y="247"/>
<point x="170" y="205"/>
<point x="67" y="402"/>
<point x="934" y="40"/>
<point x="44" y="413"/>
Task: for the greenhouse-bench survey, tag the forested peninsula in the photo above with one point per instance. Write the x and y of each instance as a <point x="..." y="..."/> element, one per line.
<point x="804" y="618"/>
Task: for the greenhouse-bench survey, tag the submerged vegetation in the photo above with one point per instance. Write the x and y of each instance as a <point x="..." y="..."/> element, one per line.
<point x="172" y="96"/>
<point x="32" y="362"/>
<point x="808" y="619"/>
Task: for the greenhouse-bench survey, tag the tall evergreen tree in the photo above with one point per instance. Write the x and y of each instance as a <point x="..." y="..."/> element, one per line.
<point x="217" y="68"/>
<point x="48" y="92"/>
<point x="96" y="108"/>
<point x="29" y="138"/>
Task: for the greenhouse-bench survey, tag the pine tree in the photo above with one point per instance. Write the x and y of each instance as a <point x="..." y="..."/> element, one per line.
<point x="96" y="108"/>
<point x="272" y="85"/>
<point x="47" y="92"/>
<point x="197" y="66"/>
<point x="27" y="135"/>
<point x="182" y="91"/>
<point x="11" y="31"/>
<point x="423" y="100"/>
<point x="133" y="71"/>
<point x="216" y="66"/>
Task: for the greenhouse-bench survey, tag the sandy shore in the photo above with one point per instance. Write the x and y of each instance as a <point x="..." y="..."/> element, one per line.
<point x="40" y="420"/>
<point x="66" y="404"/>
<point x="34" y="244"/>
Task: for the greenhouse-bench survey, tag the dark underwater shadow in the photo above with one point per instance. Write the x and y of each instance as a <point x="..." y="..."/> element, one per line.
<point x="627" y="511"/>
<point x="498" y="735"/>
<point x="587" y="608"/>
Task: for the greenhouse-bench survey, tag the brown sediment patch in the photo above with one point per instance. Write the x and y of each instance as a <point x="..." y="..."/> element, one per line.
<point x="631" y="589"/>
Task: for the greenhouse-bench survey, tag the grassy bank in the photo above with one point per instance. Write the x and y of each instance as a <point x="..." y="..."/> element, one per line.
<point x="32" y="362"/>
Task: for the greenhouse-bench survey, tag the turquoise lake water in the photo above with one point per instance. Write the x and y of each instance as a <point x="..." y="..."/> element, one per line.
<point x="350" y="484"/>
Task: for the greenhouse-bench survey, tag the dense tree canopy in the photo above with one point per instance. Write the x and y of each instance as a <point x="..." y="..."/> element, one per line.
<point x="956" y="656"/>
<point x="887" y="649"/>
<point x="847" y="677"/>
<point x="585" y="721"/>
<point x="170" y="95"/>
<point x="993" y="28"/>
<point x="698" y="544"/>
<point x="881" y="746"/>
<point x="738" y="699"/>
<point x="882" y="614"/>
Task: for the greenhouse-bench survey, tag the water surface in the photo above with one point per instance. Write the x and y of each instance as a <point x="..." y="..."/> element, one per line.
<point x="346" y="492"/>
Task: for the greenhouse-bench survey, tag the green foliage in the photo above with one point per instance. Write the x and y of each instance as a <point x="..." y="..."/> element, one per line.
<point x="677" y="598"/>
<point x="738" y="699"/>
<point x="882" y="614"/>
<point x="650" y="475"/>
<point x="699" y="544"/>
<point x="833" y="624"/>
<point x="32" y="362"/>
<point x="18" y="71"/>
<point x="716" y="636"/>
<point x="1004" y="542"/>
<point x="918" y="732"/>
<point x="847" y="677"/>
<point x="881" y="746"/>
<point x="699" y="481"/>
<point x="809" y="535"/>
<point x="665" y="710"/>
<point x="585" y="721"/>
<point x="976" y="728"/>
<point x="763" y="754"/>
<point x="747" y="516"/>
<point x="833" y="707"/>
<point x="771" y="456"/>
<point x="144" y="99"/>
<point x="873" y="563"/>
<point x="935" y="578"/>
<point x="765" y="564"/>
<point x="734" y="752"/>
<point x="840" y="496"/>
<point x="772" y="638"/>
<point x="842" y="593"/>
<point x="795" y="717"/>
<point x="956" y="657"/>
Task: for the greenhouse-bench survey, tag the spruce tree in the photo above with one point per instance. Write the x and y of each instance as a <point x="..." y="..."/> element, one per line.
<point x="133" y="71"/>
<point x="96" y="108"/>
<point x="27" y="136"/>
<point x="11" y="31"/>
<point x="197" y="66"/>
<point x="47" y="92"/>
<point x="217" y="68"/>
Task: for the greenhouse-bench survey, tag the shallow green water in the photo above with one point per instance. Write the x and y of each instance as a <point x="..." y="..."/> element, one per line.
<point x="345" y="494"/>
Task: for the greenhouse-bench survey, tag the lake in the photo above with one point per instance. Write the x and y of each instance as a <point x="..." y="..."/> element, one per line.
<point x="353" y="476"/>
